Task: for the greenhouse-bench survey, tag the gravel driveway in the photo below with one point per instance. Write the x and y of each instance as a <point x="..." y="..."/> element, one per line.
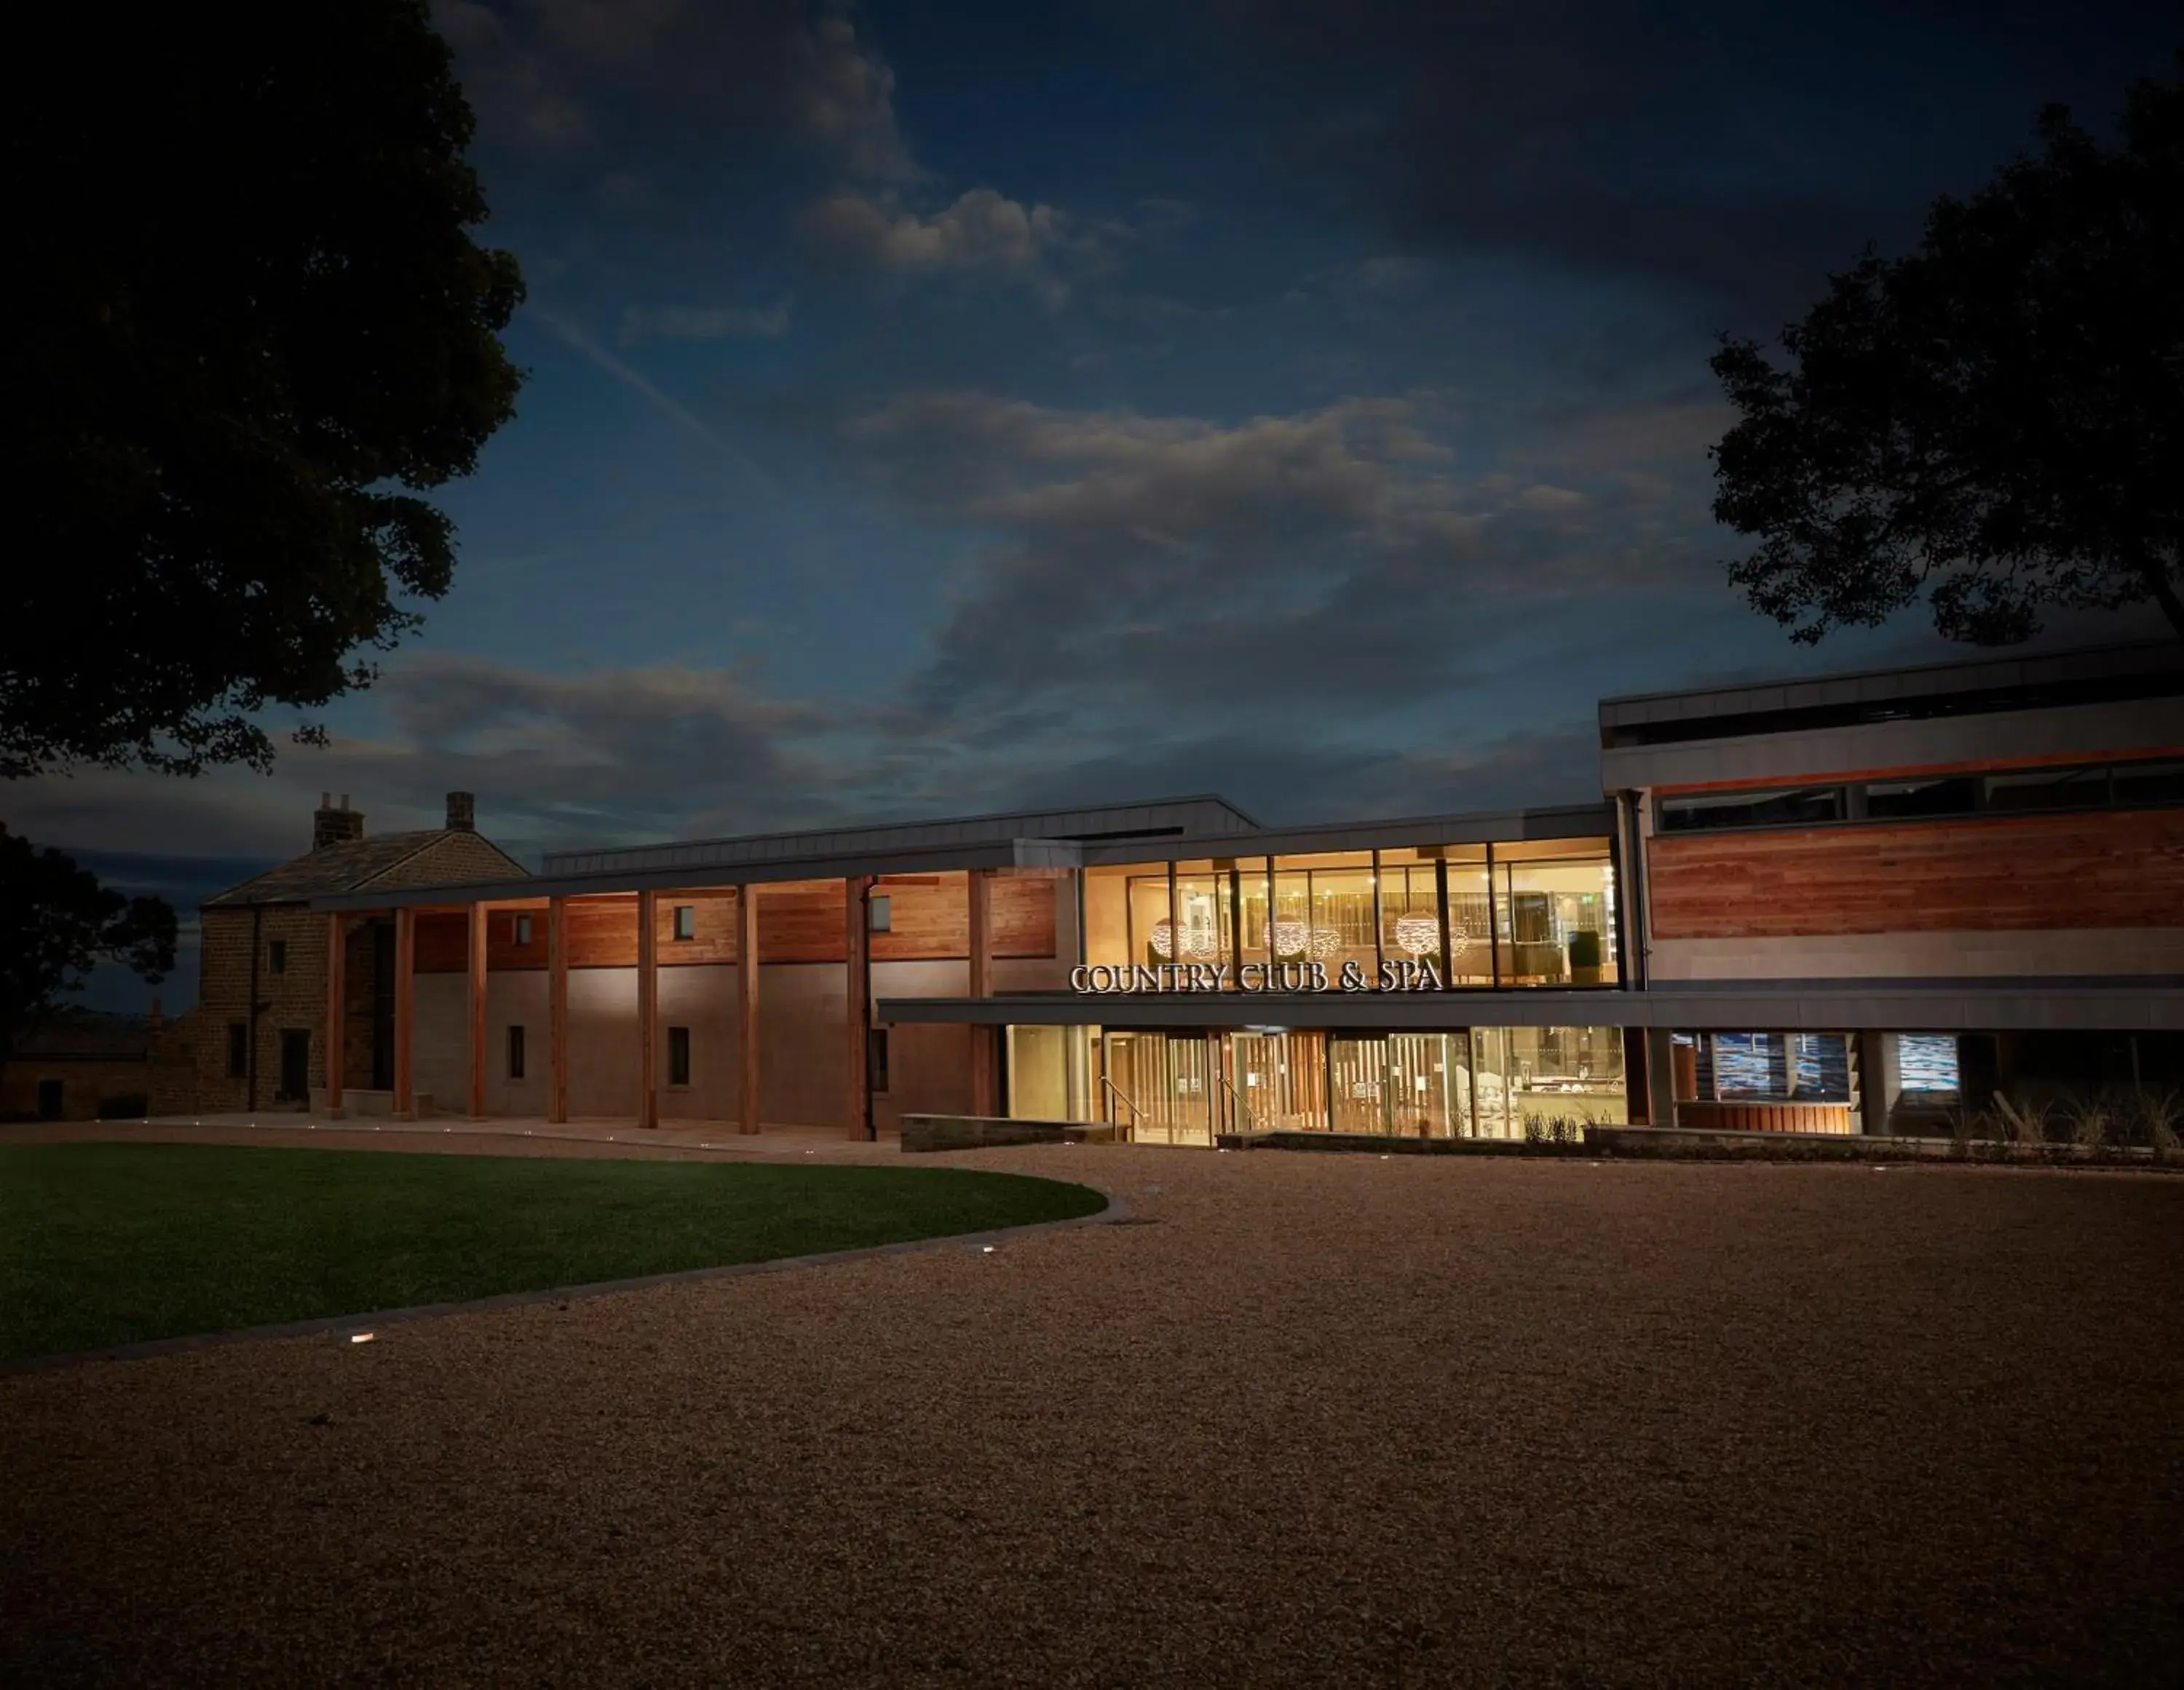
<point x="1307" y="1419"/>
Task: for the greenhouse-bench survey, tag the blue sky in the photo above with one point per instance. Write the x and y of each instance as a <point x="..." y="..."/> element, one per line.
<point x="939" y="407"/>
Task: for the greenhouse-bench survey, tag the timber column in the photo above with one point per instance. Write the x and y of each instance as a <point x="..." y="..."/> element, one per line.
<point x="746" y="1074"/>
<point x="647" y="1008"/>
<point x="858" y="1000"/>
<point x="983" y="1038"/>
<point x="405" y="1013"/>
<point x="336" y="1009"/>
<point x="557" y="1009"/>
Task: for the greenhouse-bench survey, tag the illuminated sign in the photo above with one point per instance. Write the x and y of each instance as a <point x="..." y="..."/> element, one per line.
<point x="1100" y="980"/>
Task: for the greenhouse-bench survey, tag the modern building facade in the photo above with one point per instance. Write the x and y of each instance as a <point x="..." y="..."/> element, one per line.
<point x="1837" y="905"/>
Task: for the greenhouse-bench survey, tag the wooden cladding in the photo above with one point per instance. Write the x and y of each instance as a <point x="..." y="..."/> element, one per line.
<point x="2116" y="869"/>
<point x="798" y="921"/>
<point x="1766" y="1117"/>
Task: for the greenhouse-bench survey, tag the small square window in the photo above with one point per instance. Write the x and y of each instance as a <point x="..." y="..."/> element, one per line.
<point x="685" y="921"/>
<point x="523" y="926"/>
<point x="277" y="956"/>
<point x="882" y="914"/>
<point x="516" y="1052"/>
<point x="238" y="1050"/>
<point x="678" y="1056"/>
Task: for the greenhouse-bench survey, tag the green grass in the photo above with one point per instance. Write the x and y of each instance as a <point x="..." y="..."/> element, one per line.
<point x="117" y="1243"/>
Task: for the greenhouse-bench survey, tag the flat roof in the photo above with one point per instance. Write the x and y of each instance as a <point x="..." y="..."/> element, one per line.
<point x="881" y="852"/>
<point x="1204" y="813"/>
<point x="2002" y="682"/>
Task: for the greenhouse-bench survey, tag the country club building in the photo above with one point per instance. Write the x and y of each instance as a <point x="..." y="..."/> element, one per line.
<point x="1833" y="905"/>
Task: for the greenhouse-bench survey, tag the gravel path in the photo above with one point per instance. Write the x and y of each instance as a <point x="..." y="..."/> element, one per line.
<point x="1309" y="1421"/>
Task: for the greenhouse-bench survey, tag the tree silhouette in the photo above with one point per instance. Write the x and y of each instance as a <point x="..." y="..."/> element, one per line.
<point x="253" y="326"/>
<point x="57" y="922"/>
<point x="1994" y="422"/>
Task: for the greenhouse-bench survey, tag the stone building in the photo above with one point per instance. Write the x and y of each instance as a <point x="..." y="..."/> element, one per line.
<point x="80" y="1065"/>
<point x="257" y="1039"/>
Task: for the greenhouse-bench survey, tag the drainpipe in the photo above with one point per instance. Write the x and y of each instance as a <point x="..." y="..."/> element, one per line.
<point x="250" y="1062"/>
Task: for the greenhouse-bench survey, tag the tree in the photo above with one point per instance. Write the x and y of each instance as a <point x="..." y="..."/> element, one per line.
<point x="253" y="326"/>
<point x="1995" y="421"/>
<point x="57" y="922"/>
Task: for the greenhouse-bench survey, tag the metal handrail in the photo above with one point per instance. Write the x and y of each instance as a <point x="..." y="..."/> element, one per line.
<point x="1139" y="1113"/>
<point x="1237" y="1096"/>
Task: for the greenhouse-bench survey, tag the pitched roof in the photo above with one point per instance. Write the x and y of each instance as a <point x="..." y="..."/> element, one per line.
<point x="431" y="856"/>
<point x="82" y="1036"/>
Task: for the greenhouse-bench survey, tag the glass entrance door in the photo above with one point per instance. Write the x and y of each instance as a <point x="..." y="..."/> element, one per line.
<point x="1361" y="1062"/>
<point x="1417" y="1085"/>
<point x="1428" y="1085"/>
<point x="1281" y="1080"/>
<point x="1165" y="1086"/>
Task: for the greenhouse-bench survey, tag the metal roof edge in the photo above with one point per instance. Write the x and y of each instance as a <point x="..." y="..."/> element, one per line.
<point x="1001" y="853"/>
<point x="908" y="822"/>
<point x="2123" y="649"/>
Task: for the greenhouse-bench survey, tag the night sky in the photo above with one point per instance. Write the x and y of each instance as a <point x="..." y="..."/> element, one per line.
<point x="940" y="408"/>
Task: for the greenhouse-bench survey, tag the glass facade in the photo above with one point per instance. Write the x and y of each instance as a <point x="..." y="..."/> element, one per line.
<point x="1172" y="1086"/>
<point x="1771" y="1068"/>
<point x="1534" y="914"/>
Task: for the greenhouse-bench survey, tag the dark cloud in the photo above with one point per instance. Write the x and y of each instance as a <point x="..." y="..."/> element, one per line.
<point x="1281" y="567"/>
<point x="570" y="78"/>
<point x="1743" y="154"/>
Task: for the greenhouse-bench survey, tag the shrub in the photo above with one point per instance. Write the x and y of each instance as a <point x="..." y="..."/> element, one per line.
<point x="2089" y="1122"/>
<point x="2162" y="1113"/>
<point x="2027" y="1121"/>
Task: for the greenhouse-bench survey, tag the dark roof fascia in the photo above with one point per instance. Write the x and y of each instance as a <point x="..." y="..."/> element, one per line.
<point x="1740" y="1007"/>
<point x="1965" y="677"/>
<point x="1003" y="854"/>
<point x="1562" y="821"/>
<point x="1031" y="815"/>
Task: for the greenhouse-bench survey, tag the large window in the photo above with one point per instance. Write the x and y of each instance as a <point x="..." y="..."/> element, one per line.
<point x="1555" y="914"/>
<point x="1536" y="1081"/>
<point x="1534" y="912"/>
<point x="1772" y="1068"/>
<point x="2104" y="786"/>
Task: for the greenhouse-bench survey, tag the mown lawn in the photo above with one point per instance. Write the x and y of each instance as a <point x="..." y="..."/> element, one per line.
<point x="117" y="1243"/>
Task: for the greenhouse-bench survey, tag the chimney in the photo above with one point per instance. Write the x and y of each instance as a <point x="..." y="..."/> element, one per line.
<point x="331" y="826"/>
<point x="462" y="813"/>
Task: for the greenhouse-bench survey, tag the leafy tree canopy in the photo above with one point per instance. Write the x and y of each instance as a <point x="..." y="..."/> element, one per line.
<point x="252" y="325"/>
<point x="1996" y="421"/>
<point x="57" y="922"/>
